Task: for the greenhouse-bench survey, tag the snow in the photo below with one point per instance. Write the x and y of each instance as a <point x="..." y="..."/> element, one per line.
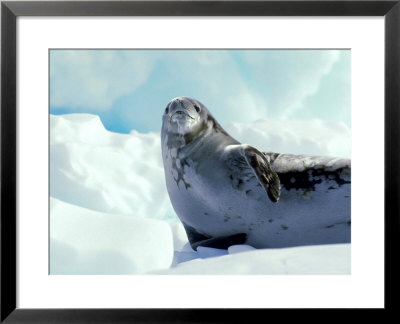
<point x="104" y="171"/>
<point x="317" y="260"/>
<point x="83" y="241"/>
<point x="110" y="212"/>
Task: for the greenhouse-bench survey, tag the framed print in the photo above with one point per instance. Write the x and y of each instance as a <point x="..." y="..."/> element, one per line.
<point x="111" y="209"/>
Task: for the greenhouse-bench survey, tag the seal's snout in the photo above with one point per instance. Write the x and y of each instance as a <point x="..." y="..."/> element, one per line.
<point x="181" y="108"/>
<point x="176" y="105"/>
<point x="179" y="104"/>
<point x="177" y="111"/>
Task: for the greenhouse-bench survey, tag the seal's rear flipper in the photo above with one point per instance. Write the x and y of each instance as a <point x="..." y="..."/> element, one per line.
<point x="193" y="235"/>
<point x="222" y="242"/>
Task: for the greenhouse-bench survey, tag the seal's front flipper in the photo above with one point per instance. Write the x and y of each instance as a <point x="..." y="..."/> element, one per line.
<point x="222" y="242"/>
<point x="261" y="167"/>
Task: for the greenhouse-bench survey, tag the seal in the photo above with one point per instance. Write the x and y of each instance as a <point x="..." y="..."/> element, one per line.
<point x="228" y="193"/>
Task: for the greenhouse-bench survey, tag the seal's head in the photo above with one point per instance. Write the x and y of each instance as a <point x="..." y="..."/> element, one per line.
<point x="184" y="119"/>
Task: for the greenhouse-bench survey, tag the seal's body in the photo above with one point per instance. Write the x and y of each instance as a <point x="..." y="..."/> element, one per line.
<point x="229" y="193"/>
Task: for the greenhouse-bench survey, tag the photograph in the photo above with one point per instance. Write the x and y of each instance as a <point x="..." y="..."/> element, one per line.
<point x="191" y="161"/>
<point x="199" y="161"/>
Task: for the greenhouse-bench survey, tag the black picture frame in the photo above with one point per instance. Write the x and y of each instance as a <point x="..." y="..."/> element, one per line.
<point x="10" y="10"/>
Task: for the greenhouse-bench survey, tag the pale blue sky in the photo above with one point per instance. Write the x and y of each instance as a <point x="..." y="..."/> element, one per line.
<point x="129" y="89"/>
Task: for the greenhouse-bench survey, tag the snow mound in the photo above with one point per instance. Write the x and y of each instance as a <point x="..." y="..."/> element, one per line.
<point x="104" y="171"/>
<point x="315" y="260"/>
<point x="83" y="241"/>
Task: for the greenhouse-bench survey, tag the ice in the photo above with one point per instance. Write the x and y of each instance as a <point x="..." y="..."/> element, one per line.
<point x="207" y="252"/>
<point x="180" y="239"/>
<point x="316" y="260"/>
<point x="184" y="256"/>
<point x="84" y="241"/>
<point x="108" y="172"/>
<point x="240" y="248"/>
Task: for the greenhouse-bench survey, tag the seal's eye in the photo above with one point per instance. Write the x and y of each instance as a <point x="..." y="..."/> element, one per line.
<point x="197" y="108"/>
<point x="166" y="110"/>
